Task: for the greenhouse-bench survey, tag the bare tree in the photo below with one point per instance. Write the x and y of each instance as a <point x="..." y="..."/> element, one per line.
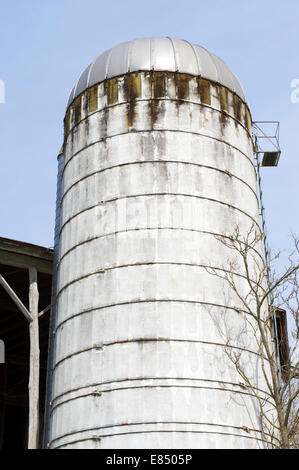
<point x="262" y="300"/>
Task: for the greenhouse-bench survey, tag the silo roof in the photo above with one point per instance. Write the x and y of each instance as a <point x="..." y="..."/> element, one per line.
<point x="159" y="54"/>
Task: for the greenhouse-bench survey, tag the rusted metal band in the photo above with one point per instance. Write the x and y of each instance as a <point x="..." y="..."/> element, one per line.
<point x="145" y="340"/>
<point x="101" y="307"/>
<point x="137" y="379"/>
<point x="98" y="438"/>
<point x="152" y="263"/>
<point x="143" y="387"/>
<point x="164" y="430"/>
<point x="225" y="172"/>
<point x="156" y="228"/>
<point x="134" y="387"/>
<point x="159" y="194"/>
<point x="146" y="131"/>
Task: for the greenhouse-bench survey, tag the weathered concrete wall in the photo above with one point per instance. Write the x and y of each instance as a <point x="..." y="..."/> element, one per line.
<point x="155" y="166"/>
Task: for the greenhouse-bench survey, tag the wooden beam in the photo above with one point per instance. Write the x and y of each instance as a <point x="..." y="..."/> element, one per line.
<point x="25" y="255"/>
<point x="20" y="260"/>
<point x="45" y="310"/>
<point x="15" y="298"/>
<point x="33" y="431"/>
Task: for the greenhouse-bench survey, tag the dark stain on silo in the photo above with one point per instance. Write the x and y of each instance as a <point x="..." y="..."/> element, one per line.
<point x="132" y="91"/>
<point x="158" y="91"/>
<point x="154" y="112"/>
<point x="86" y="129"/>
<point x="182" y="85"/>
<point x="158" y="84"/>
<point x="67" y="123"/>
<point x="85" y="103"/>
<point x="160" y="143"/>
<point x="237" y="104"/>
<point x="104" y="122"/>
<point x="223" y="115"/>
<point x="163" y="173"/>
<point x="223" y="122"/>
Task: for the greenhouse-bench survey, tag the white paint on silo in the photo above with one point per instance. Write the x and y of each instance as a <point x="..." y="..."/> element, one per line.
<point x="158" y="160"/>
<point x="52" y="325"/>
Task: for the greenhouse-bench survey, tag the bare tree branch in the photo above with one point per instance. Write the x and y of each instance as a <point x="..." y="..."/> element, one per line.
<point x="258" y="301"/>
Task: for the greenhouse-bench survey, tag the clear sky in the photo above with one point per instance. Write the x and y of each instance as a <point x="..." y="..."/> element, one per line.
<point x="45" y="44"/>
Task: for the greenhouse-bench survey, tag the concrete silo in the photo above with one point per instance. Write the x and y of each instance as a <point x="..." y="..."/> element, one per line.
<point x="157" y="161"/>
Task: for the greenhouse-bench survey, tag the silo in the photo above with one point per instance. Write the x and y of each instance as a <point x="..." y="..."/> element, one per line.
<point x="157" y="162"/>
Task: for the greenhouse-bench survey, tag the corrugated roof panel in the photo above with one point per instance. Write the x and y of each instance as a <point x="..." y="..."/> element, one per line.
<point x="82" y="83"/>
<point x="163" y="54"/>
<point x="71" y="97"/>
<point x="224" y="74"/>
<point x="118" y="60"/>
<point x="140" y="55"/>
<point x="186" y="58"/>
<point x="98" y="69"/>
<point x="239" y="89"/>
<point x="206" y="64"/>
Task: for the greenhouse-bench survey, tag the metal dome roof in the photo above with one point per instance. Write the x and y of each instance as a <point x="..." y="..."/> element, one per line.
<point x="161" y="54"/>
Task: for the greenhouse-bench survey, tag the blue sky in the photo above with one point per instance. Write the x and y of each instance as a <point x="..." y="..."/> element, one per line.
<point x="45" y="44"/>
